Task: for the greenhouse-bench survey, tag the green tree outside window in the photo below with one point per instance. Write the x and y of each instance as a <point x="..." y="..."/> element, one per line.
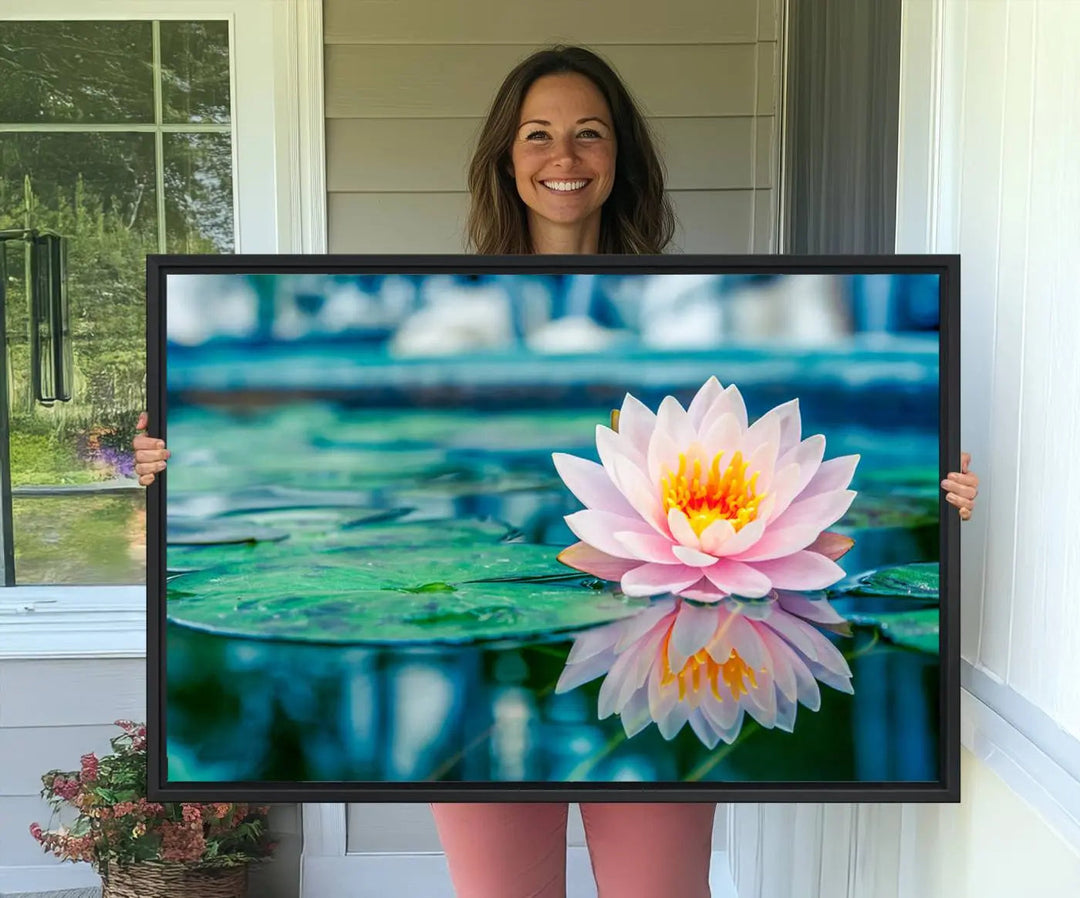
<point x="118" y="136"/>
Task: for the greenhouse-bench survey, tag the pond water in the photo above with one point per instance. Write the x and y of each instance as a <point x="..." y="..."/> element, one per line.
<point x="326" y="623"/>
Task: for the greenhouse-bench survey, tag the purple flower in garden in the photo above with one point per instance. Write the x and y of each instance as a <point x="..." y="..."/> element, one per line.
<point x="700" y="503"/>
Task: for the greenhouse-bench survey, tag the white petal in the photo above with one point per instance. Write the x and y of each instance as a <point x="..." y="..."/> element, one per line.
<point x="636" y="423"/>
<point x="693" y="629"/>
<point x="807" y="455"/>
<point x="705" y="399"/>
<point x="574" y="675"/>
<point x="692" y="557"/>
<point x="636" y="627"/>
<point x="671" y="417"/>
<point x="647" y="546"/>
<point x="591" y="484"/>
<point x="682" y="532"/>
<point x="834" y="474"/>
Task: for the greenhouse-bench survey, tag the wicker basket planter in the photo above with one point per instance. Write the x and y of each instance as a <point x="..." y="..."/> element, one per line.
<point x="155" y="879"/>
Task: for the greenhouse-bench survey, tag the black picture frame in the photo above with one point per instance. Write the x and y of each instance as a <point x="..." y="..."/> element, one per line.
<point x="945" y="790"/>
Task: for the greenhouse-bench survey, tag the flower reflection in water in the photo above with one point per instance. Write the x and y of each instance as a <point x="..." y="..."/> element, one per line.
<point x="709" y="665"/>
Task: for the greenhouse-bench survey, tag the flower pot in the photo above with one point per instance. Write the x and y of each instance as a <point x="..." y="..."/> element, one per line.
<point x="170" y="880"/>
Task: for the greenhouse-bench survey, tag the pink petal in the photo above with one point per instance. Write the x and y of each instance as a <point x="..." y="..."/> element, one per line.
<point x="681" y="531"/>
<point x="598" y="529"/>
<point x="703" y="592"/>
<point x="692" y="630"/>
<point x="692" y="557"/>
<point x="704" y="729"/>
<point x="743" y="539"/>
<point x="834" y="474"/>
<point x="799" y="526"/>
<point x="783" y="675"/>
<point x="635" y="628"/>
<point x="586" y="558"/>
<point x="642" y="495"/>
<point x="779" y="542"/>
<point x="730" y="402"/>
<point x="656" y="579"/>
<point x="817" y="610"/>
<point x="647" y="546"/>
<point x="592" y="642"/>
<point x="765" y="431"/>
<point x="723" y="435"/>
<point x="591" y="484"/>
<point x="636" y="424"/>
<point x="832" y="545"/>
<point x="807" y="455"/>
<point x="795" y="631"/>
<point x="790" y="425"/>
<point x="822" y="510"/>
<point x="738" y="578"/>
<point x="610" y="446"/>
<point x="673" y="420"/>
<point x="715" y="536"/>
<point x="801" y="571"/>
<point x="706" y="397"/>
<point x="575" y="675"/>
<point x="663" y="456"/>
<point x="781" y="488"/>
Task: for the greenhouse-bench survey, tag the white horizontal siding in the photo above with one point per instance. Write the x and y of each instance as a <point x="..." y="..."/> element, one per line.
<point x="570" y="21"/>
<point x="450" y="80"/>
<point x="395" y="154"/>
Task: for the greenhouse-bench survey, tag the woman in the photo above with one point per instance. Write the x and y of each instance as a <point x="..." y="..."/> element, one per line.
<point x="565" y="164"/>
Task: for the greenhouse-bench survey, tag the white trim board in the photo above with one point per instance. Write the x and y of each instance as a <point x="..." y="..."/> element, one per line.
<point x="1028" y="769"/>
<point x="379" y="875"/>
<point x="351" y="876"/>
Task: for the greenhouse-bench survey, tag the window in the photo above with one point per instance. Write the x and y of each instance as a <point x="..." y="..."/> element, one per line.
<point x="117" y="135"/>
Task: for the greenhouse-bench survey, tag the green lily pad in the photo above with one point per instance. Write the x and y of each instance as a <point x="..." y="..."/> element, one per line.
<point x="373" y="534"/>
<point x="873" y="510"/>
<point x="916" y="630"/>
<point x="203" y="532"/>
<point x="914" y="581"/>
<point x="432" y="597"/>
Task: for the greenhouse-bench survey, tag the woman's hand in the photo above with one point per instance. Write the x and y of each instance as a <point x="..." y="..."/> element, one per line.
<point x="961" y="487"/>
<point x="150" y="453"/>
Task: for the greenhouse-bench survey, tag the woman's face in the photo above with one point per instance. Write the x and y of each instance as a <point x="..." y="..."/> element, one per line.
<point x="563" y="154"/>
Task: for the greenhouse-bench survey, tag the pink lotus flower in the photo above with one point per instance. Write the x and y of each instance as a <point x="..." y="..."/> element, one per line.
<point x="697" y="502"/>
<point x="710" y="665"/>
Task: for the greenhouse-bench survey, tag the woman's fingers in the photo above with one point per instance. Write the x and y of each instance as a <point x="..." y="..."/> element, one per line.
<point x="150" y="452"/>
<point x="962" y="484"/>
<point x="961" y="487"/>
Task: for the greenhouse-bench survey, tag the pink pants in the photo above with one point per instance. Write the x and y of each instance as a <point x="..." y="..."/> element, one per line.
<point x="519" y="850"/>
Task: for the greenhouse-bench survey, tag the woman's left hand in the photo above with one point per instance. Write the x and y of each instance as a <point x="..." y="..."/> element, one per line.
<point x="961" y="487"/>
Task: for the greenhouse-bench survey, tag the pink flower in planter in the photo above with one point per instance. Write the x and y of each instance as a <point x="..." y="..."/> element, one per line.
<point x="699" y="500"/>
<point x="710" y="665"/>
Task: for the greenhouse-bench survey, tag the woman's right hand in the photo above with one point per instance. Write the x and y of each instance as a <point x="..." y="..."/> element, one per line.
<point x="150" y="453"/>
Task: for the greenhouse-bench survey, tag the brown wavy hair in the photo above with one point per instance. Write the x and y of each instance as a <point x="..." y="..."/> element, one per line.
<point x="637" y="216"/>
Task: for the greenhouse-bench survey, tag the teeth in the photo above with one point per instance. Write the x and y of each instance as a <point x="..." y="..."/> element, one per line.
<point x="565" y="185"/>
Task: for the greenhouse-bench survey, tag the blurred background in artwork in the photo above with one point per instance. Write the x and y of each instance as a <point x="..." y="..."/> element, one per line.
<point x="339" y="411"/>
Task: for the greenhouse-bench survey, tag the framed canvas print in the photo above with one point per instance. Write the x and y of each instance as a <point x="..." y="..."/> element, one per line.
<point x="553" y="528"/>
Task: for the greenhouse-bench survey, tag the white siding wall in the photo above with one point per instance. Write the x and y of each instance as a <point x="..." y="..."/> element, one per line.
<point x="989" y="168"/>
<point x="407" y="85"/>
<point x="52" y="711"/>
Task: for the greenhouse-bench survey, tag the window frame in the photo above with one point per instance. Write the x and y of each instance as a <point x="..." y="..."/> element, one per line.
<point x="279" y="206"/>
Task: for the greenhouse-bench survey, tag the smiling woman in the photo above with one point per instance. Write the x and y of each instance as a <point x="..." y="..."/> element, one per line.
<point x="565" y="163"/>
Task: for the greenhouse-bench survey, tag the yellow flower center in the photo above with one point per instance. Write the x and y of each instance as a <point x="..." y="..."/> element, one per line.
<point x="705" y="497"/>
<point x="701" y="670"/>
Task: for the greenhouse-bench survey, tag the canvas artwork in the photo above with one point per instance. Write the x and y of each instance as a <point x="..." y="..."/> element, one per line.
<point x="512" y="529"/>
